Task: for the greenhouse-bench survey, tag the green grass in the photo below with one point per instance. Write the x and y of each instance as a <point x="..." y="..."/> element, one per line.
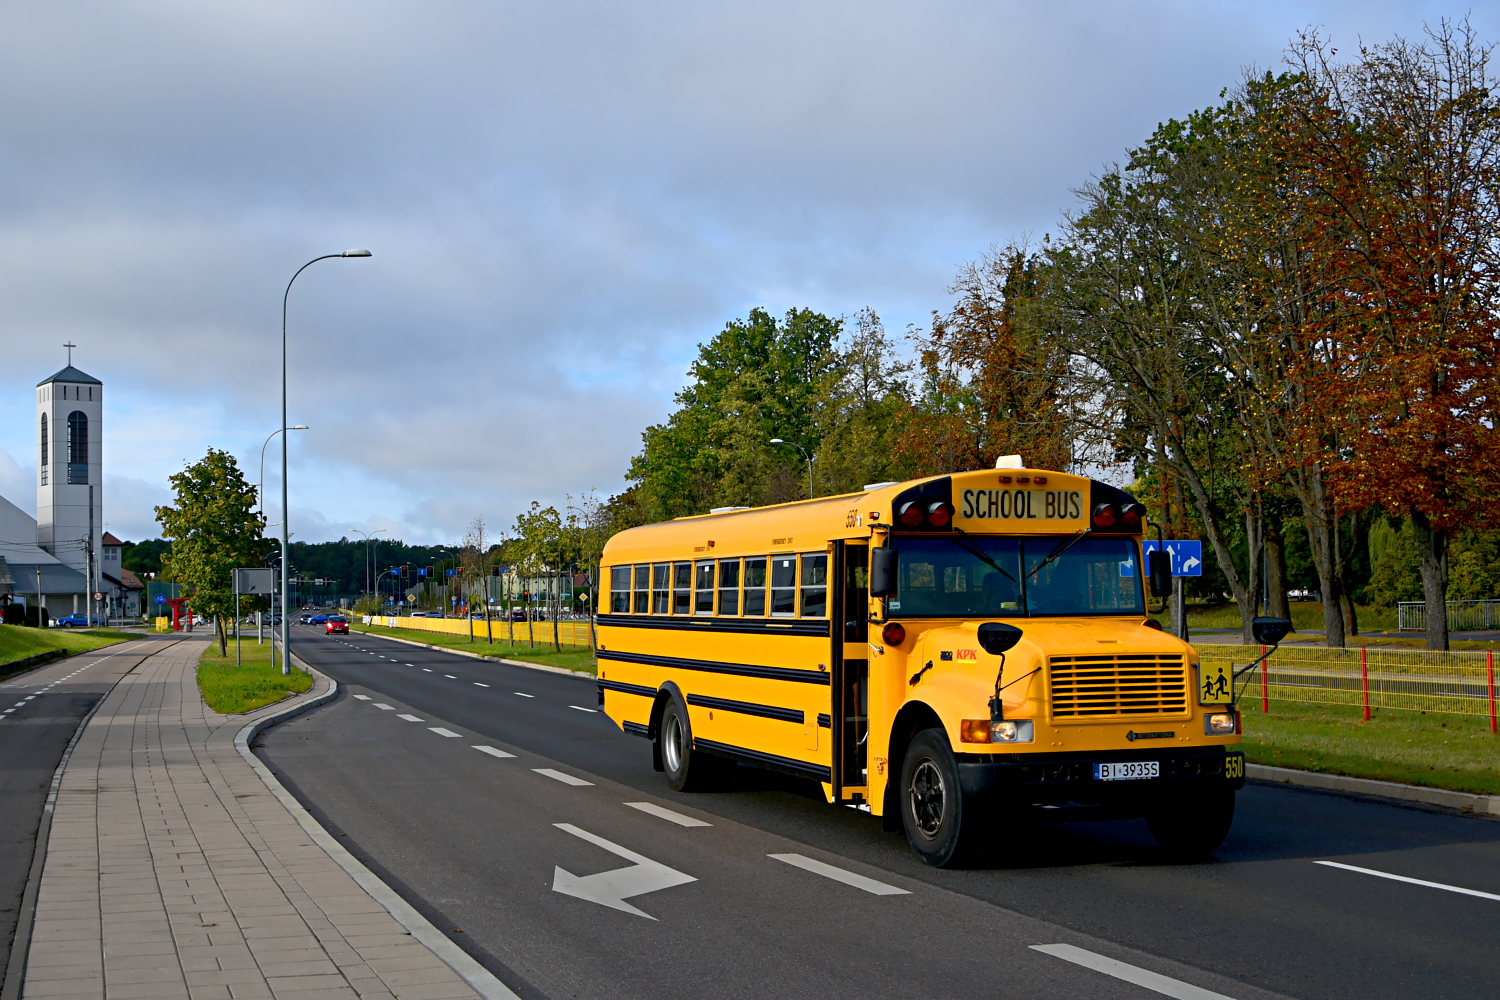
<point x="18" y="642"/>
<point x="1456" y="752"/>
<point x="571" y="657"/>
<point x="254" y="684"/>
<point x="1305" y="615"/>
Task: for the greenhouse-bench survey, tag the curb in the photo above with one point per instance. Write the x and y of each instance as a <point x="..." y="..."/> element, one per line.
<point x="481" y="656"/>
<point x="480" y="979"/>
<point x="20" y="946"/>
<point x="1464" y="802"/>
<point x="24" y="664"/>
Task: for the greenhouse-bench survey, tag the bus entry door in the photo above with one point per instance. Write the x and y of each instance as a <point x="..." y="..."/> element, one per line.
<point x="851" y="678"/>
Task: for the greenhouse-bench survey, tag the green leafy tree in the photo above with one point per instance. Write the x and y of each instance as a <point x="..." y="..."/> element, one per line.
<point x="214" y="528"/>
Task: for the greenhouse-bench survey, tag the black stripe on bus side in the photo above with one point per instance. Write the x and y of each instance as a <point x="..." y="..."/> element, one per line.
<point x="715" y="667"/>
<point x="747" y="708"/>
<point x="753" y="626"/>
<point x="640" y="689"/>
<point x="800" y="768"/>
<point x="637" y="729"/>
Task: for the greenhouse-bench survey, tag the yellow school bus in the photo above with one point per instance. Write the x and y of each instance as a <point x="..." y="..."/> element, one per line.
<point x="959" y="655"/>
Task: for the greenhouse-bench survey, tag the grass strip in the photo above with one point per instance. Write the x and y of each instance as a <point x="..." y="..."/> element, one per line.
<point x="18" y="642"/>
<point x="255" y="683"/>
<point x="1434" y="750"/>
<point x="574" y="658"/>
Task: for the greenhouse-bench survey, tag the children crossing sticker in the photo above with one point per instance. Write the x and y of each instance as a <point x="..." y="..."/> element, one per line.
<point x="1215" y="684"/>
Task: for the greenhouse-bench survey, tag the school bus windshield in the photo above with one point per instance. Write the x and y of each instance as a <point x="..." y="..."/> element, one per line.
<point x="977" y="575"/>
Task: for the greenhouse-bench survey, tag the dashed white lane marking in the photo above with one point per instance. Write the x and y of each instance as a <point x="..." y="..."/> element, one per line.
<point x="523" y="694"/>
<point x="443" y="732"/>
<point x="479" y="685"/>
<point x="450" y="677"/>
<point x="1413" y="881"/>
<point x="410" y="664"/>
<point x="566" y="779"/>
<point x="426" y="670"/>
<point x="363" y="697"/>
<point x="493" y="752"/>
<point x="410" y="718"/>
<point x="662" y="812"/>
<point x="591" y="711"/>
<point x="839" y="875"/>
<point x="1164" y="985"/>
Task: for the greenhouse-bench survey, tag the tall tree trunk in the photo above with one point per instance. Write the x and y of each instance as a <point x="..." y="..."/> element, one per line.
<point x="1321" y="523"/>
<point x="1214" y="529"/>
<point x="1432" y="556"/>
<point x="223" y="637"/>
<point x="1254" y="548"/>
<point x="1358" y="529"/>
<point x="1276" y="603"/>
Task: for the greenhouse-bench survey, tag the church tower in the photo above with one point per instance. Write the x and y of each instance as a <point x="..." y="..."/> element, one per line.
<point x="69" y="491"/>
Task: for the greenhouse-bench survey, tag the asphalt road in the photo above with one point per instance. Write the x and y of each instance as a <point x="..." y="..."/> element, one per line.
<point x="500" y="853"/>
<point x="39" y="712"/>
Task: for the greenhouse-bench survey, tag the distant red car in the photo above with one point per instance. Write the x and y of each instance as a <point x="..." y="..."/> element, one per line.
<point x="336" y="625"/>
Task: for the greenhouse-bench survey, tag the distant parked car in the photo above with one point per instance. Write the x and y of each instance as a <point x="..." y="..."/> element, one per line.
<point x="77" y="621"/>
<point x="335" y="624"/>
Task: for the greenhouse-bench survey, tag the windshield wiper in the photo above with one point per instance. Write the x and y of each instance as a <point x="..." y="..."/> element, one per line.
<point x="1062" y="547"/>
<point x="978" y="553"/>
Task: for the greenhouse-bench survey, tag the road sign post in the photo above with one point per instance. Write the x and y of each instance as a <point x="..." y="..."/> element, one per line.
<point x="1187" y="560"/>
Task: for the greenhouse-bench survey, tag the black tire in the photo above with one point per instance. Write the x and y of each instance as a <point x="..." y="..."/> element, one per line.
<point x="940" y="825"/>
<point x="1191" y="826"/>
<point x="688" y="770"/>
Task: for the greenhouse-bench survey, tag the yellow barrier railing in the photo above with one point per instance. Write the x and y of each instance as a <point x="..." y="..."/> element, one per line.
<point x="1452" y="682"/>
<point x="569" y="633"/>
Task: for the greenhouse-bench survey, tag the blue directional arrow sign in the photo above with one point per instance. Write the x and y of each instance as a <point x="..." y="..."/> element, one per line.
<point x="1186" y="553"/>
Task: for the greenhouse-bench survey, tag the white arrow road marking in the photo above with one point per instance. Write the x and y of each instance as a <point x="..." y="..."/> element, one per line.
<point x="566" y="779"/>
<point x="670" y="816"/>
<point x="1413" y="881"/>
<point x="443" y="732"/>
<point x="613" y="888"/>
<point x="410" y="718"/>
<point x="493" y="752"/>
<point x="1130" y="973"/>
<point x="839" y="875"/>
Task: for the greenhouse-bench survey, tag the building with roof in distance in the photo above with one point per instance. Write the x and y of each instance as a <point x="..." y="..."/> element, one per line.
<point x="55" y="559"/>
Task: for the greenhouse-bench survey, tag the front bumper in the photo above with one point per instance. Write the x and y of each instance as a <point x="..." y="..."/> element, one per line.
<point x="1064" y="784"/>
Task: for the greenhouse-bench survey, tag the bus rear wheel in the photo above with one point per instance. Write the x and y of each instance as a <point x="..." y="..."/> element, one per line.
<point x="688" y="770"/>
<point x="939" y="824"/>
<point x="1192" y="826"/>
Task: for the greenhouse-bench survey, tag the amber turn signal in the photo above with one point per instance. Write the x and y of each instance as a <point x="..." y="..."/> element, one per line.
<point x="894" y="633"/>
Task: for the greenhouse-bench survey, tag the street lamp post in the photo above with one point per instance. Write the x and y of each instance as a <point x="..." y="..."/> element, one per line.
<point x="369" y="556"/>
<point x="286" y="635"/>
<point x="809" y="463"/>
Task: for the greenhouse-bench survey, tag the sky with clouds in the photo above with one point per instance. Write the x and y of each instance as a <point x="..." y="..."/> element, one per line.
<point x="563" y="200"/>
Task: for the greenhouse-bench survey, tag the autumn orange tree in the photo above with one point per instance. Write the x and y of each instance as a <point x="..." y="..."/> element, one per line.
<point x="1395" y="162"/>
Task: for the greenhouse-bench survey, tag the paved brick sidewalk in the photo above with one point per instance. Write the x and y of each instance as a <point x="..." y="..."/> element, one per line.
<point x="172" y="871"/>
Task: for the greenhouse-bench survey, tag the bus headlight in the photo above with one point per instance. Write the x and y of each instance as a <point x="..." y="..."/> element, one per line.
<point x="1004" y="731"/>
<point x="1219" y="724"/>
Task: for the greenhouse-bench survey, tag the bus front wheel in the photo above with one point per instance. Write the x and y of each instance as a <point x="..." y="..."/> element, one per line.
<point x="687" y="770"/>
<point x="1192" y="826"/>
<point x="932" y="803"/>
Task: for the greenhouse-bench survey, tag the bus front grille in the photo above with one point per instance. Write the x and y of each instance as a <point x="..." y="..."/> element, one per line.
<point x="1123" y="687"/>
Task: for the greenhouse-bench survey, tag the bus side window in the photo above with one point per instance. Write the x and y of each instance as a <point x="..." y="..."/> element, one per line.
<point x="661" y="602"/>
<point x="682" y="588"/>
<point x="703" y="588"/>
<point x="784" y="585"/>
<point x="815" y="585"/>
<point x="643" y="590"/>
<point x="729" y="586"/>
<point x="755" y="587"/>
<point x="619" y="589"/>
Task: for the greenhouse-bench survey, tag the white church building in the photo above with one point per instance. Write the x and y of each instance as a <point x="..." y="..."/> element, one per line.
<point x="55" y="558"/>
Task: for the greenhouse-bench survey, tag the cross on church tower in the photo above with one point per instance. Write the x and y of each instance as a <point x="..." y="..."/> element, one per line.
<point x="70" y="345"/>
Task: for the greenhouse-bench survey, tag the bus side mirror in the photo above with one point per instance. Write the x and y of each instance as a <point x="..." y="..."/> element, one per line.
<point x="997" y="637"/>
<point x="1159" y="568"/>
<point x="882" y="572"/>
<point x="1269" y="631"/>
